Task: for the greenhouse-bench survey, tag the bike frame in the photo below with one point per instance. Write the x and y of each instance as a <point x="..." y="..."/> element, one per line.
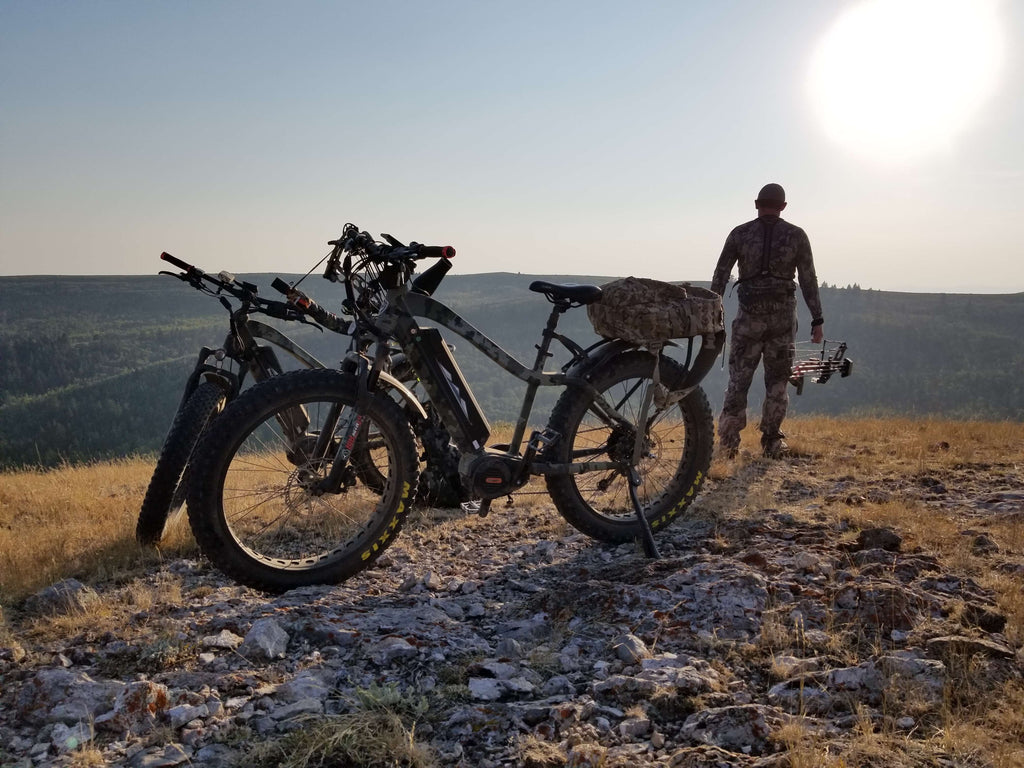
<point x="241" y="346"/>
<point x="399" y="321"/>
<point x="417" y="305"/>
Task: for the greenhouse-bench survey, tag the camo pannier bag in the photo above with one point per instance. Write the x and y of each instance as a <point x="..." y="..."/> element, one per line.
<point x="649" y="312"/>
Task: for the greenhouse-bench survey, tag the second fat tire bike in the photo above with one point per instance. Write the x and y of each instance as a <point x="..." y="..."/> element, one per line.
<point x="219" y="376"/>
<point x="624" y="453"/>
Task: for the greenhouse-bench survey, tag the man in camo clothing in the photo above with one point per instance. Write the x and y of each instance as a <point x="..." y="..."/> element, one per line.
<point x="770" y="253"/>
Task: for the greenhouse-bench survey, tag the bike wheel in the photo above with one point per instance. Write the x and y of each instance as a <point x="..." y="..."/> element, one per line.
<point x="678" y="442"/>
<point x="165" y="495"/>
<point x="256" y="508"/>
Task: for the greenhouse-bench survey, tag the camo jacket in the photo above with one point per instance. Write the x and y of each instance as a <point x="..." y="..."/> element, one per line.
<point x="767" y="270"/>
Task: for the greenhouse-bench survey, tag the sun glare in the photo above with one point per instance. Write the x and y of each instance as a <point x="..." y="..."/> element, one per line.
<point x="896" y="80"/>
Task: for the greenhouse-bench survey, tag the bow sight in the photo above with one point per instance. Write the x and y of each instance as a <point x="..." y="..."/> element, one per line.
<point x="821" y="365"/>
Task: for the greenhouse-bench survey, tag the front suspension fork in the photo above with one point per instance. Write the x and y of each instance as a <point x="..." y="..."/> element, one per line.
<point x="347" y="425"/>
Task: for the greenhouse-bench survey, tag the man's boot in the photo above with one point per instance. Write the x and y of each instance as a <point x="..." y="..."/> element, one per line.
<point x="773" y="446"/>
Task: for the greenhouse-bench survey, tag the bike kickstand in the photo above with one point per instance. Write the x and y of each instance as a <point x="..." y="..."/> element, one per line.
<point x="646" y="534"/>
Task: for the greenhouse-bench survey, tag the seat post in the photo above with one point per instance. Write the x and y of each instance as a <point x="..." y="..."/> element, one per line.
<point x="547" y="336"/>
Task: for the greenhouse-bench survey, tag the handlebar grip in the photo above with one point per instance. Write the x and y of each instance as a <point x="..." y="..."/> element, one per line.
<point x="176" y="262"/>
<point x="437" y="252"/>
<point x="281" y="286"/>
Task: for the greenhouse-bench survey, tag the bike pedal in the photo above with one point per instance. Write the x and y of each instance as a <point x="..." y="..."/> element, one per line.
<point x="545" y="438"/>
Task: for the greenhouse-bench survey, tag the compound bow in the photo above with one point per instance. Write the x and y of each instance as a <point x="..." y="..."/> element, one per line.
<point x="821" y="366"/>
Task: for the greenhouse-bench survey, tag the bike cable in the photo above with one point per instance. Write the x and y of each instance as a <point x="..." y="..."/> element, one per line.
<point x="311" y="270"/>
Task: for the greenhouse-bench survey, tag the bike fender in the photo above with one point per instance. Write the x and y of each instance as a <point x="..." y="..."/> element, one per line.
<point x="407" y="395"/>
<point x="223" y="379"/>
<point x="602" y="354"/>
<point x="597" y="357"/>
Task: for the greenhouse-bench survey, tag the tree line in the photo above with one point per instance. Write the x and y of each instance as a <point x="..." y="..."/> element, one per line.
<point x="95" y="369"/>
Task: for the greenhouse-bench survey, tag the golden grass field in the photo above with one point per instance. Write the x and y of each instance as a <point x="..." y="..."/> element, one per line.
<point x="79" y="521"/>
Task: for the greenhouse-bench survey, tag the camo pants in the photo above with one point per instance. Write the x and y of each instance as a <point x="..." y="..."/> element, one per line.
<point x="755" y="337"/>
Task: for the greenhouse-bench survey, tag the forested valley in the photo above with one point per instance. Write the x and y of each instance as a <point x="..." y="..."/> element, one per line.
<point x="93" y="367"/>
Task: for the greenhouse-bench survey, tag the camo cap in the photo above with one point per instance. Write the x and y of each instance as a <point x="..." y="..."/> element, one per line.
<point x="771" y="193"/>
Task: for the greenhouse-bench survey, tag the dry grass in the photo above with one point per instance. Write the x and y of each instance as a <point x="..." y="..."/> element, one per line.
<point x="79" y="521"/>
<point x="537" y="753"/>
<point x="379" y="732"/>
<point x="73" y="521"/>
<point x="87" y="757"/>
<point x="912" y="444"/>
<point x="981" y="721"/>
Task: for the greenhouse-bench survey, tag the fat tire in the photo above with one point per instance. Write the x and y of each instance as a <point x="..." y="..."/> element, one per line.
<point x="676" y="495"/>
<point x="165" y="495"/>
<point x="241" y="419"/>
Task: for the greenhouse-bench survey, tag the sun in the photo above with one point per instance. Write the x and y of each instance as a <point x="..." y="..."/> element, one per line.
<point x="900" y="79"/>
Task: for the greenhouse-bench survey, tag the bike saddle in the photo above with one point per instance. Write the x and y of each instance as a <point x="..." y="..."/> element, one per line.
<point x="581" y="294"/>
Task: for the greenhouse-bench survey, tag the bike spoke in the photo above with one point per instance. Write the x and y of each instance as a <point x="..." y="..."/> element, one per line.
<point x="270" y="492"/>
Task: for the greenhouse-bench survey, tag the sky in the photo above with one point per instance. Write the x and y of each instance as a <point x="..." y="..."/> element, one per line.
<point x="562" y="137"/>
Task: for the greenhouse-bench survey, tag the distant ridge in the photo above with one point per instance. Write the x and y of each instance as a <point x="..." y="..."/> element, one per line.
<point x="86" y="371"/>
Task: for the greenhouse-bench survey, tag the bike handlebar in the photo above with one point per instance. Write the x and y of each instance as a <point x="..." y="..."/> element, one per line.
<point x="194" y="275"/>
<point x="435" y="252"/>
<point x="353" y="240"/>
<point x="246" y="292"/>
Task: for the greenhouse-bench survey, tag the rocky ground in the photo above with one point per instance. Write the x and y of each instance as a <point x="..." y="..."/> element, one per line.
<point x="770" y="623"/>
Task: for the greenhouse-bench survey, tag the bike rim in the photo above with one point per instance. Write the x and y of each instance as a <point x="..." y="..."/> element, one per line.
<point x="663" y="455"/>
<point x="273" y="508"/>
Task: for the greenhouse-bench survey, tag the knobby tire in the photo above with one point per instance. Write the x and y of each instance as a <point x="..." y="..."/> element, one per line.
<point x="165" y="495"/>
<point x="256" y="510"/>
<point x="678" y="446"/>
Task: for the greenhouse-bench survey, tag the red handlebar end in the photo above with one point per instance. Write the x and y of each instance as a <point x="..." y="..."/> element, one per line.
<point x="176" y="262"/>
<point x="448" y="252"/>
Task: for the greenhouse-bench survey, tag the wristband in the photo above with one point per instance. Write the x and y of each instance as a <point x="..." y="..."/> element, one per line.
<point x="817" y="321"/>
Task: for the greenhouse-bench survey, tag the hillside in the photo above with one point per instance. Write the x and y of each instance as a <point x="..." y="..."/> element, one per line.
<point x="93" y="367"/>
<point x="860" y="603"/>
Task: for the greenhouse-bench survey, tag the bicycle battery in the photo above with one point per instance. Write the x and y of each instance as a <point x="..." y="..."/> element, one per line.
<point x="447" y="388"/>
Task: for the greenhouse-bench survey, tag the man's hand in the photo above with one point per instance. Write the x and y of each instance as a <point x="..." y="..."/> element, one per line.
<point x="818" y="334"/>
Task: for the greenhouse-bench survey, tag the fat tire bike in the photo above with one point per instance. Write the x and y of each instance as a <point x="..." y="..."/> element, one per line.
<point x="219" y="376"/>
<point x="624" y="453"/>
